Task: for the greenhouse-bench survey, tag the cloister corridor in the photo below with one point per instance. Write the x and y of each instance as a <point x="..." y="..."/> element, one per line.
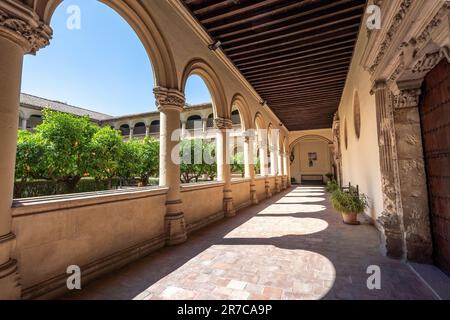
<point x="291" y="246"/>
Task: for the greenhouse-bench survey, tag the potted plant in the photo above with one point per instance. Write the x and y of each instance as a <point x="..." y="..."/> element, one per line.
<point x="331" y="186"/>
<point x="349" y="203"/>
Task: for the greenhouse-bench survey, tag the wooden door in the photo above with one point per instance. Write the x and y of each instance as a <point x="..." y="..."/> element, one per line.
<point x="435" y="121"/>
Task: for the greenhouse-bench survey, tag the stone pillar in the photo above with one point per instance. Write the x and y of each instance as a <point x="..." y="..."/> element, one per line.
<point x="274" y="160"/>
<point x="411" y="172"/>
<point x="170" y="105"/>
<point x="250" y="166"/>
<point x="24" y="123"/>
<point x="183" y="129"/>
<point x="131" y="133"/>
<point x="390" y="220"/>
<point x="282" y="169"/>
<point x="20" y="32"/>
<point x="264" y="163"/>
<point x="147" y="130"/>
<point x="223" y="163"/>
<point x="286" y="168"/>
<point x="204" y="125"/>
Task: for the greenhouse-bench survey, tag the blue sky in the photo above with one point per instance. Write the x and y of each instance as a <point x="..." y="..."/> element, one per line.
<point x="102" y="66"/>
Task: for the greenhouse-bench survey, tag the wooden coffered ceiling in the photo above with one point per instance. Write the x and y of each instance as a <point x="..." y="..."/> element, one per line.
<point x="295" y="53"/>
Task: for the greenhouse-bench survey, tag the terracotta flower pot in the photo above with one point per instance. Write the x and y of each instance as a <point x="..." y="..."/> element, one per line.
<point x="350" y="218"/>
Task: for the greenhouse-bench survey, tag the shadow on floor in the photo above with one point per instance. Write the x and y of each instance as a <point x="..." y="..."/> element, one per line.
<point x="350" y="250"/>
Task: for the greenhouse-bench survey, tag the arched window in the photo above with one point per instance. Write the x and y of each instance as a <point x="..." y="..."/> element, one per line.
<point x="139" y="128"/>
<point x="155" y="126"/>
<point x="34" y="121"/>
<point x="125" y="129"/>
<point x="210" y="121"/>
<point x="194" y="122"/>
<point x="236" y="117"/>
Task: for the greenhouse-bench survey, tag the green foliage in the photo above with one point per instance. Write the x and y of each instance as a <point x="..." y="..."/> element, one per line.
<point x="65" y="148"/>
<point x="237" y="163"/>
<point x="330" y="176"/>
<point x="331" y="186"/>
<point x="68" y="137"/>
<point x="106" y="148"/>
<point x="349" y="201"/>
<point x="197" y="159"/>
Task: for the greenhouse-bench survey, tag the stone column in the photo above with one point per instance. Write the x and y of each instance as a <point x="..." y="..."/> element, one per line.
<point x="250" y="166"/>
<point x="183" y="129"/>
<point x="282" y="171"/>
<point x="147" y="130"/>
<point x="223" y="163"/>
<point x="170" y="105"/>
<point x="204" y="124"/>
<point x="285" y="167"/>
<point x="274" y="160"/>
<point x="264" y="162"/>
<point x="390" y="220"/>
<point x="20" y="32"/>
<point x="411" y="172"/>
<point x="24" y="123"/>
<point x="131" y="133"/>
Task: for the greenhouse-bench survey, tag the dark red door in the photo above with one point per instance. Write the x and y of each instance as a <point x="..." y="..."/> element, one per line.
<point x="435" y="120"/>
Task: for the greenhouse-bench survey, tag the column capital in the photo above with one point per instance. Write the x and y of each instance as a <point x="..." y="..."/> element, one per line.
<point x="223" y="123"/>
<point x="169" y="99"/>
<point x="407" y="98"/>
<point x="378" y="85"/>
<point x="19" y="23"/>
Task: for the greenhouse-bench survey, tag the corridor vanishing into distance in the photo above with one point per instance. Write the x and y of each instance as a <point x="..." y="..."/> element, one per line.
<point x="292" y="246"/>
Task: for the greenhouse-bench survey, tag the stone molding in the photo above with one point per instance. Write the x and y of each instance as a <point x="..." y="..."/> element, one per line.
<point x="20" y="24"/>
<point x="223" y="123"/>
<point x="169" y="99"/>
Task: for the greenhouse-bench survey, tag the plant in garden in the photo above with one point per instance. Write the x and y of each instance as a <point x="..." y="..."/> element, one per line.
<point x="149" y="164"/>
<point x="106" y="148"/>
<point x="68" y="137"/>
<point x="237" y="163"/>
<point x="31" y="158"/>
<point x="192" y="165"/>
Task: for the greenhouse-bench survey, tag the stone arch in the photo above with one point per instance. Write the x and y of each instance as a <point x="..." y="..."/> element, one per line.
<point x="141" y="21"/>
<point x="259" y="122"/>
<point x="309" y="137"/>
<point x="203" y="70"/>
<point x="241" y="105"/>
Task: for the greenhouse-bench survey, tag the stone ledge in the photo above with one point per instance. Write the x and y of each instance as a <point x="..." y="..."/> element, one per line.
<point x="30" y="206"/>
<point x="56" y="286"/>
<point x="240" y="180"/>
<point x="201" y="185"/>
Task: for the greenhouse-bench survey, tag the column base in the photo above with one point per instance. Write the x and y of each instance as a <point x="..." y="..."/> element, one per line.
<point x="267" y="189"/>
<point x="10" y="288"/>
<point x="277" y="185"/>
<point x="253" y="196"/>
<point x="175" y="227"/>
<point x="228" y="208"/>
<point x="392" y="244"/>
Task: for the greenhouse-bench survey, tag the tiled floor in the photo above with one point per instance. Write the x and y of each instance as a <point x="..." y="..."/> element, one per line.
<point x="292" y="246"/>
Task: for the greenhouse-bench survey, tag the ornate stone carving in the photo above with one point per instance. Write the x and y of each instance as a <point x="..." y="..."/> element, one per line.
<point x="169" y="99"/>
<point x="430" y="60"/>
<point x="434" y="23"/>
<point x="404" y="7"/>
<point x="223" y="123"/>
<point x="24" y="27"/>
<point x="407" y="98"/>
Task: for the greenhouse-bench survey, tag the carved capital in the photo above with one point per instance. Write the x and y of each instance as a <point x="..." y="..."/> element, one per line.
<point x="223" y="123"/>
<point x="430" y="60"/>
<point x="22" y="25"/>
<point x="407" y="98"/>
<point x="169" y="99"/>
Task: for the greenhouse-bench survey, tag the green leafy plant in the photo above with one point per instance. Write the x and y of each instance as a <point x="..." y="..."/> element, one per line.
<point x="349" y="201"/>
<point x="331" y="186"/>
<point x="330" y="176"/>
